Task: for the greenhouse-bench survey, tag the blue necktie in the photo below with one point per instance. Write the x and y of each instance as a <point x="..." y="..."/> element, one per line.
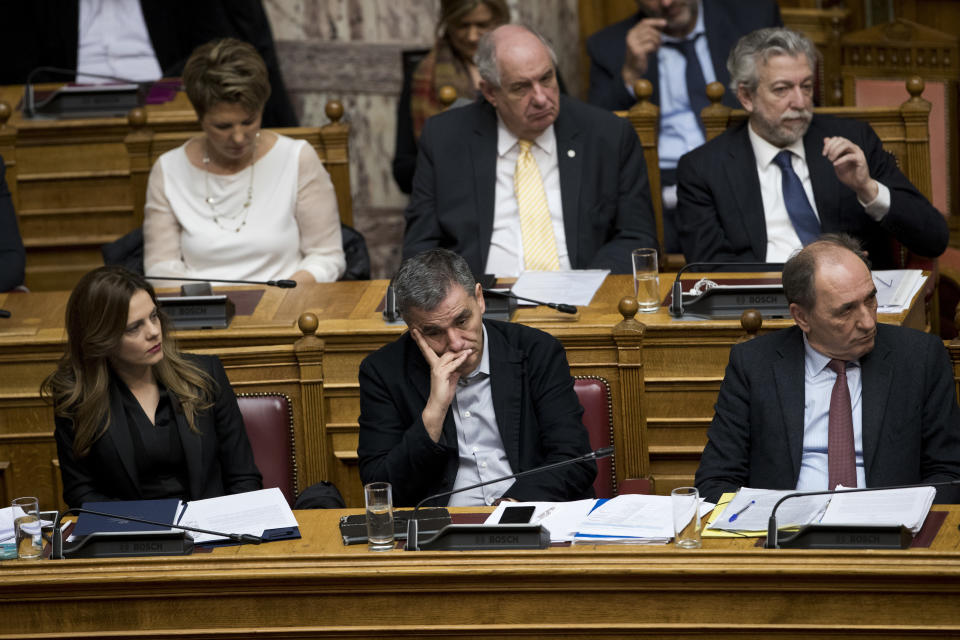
<point x="696" y="84"/>
<point x="795" y="198"/>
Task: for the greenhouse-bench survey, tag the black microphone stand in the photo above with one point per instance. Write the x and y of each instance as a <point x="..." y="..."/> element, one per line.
<point x="283" y="284"/>
<point x="559" y="306"/>
<point x="844" y="536"/>
<point x="493" y="540"/>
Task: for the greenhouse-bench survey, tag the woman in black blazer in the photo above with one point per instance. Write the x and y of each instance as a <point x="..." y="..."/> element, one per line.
<point x="135" y="418"/>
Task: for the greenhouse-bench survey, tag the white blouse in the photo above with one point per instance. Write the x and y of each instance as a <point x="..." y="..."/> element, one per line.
<point x="291" y="224"/>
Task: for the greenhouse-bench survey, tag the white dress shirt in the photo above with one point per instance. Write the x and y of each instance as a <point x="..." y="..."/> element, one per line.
<point x="818" y="380"/>
<point x="113" y="40"/>
<point x="505" y="258"/>
<point x="482" y="456"/>
<point x="782" y="238"/>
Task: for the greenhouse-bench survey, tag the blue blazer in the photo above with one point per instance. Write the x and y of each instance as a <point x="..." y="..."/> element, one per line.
<point x="725" y="22"/>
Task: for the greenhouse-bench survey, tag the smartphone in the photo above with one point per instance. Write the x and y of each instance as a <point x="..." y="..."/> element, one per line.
<point x="517" y="515"/>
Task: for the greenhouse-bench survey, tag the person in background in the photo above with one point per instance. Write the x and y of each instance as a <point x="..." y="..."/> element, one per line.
<point x="528" y="179"/>
<point x="680" y="46"/>
<point x="237" y="202"/>
<point x="773" y="183"/>
<point x="12" y="254"/>
<point x="135" y="418"/>
<point x="141" y="40"/>
<point x="460" y="400"/>
<point x="449" y="63"/>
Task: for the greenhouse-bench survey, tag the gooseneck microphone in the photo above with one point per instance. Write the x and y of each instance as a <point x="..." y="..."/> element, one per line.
<point x="283" y="284"/>
<point x="58" y="551"/>
<point x="856" y="530"/>
<point x="559" y="306"/>
<point x="413" y="544"/>
<point x="676" y="296"/>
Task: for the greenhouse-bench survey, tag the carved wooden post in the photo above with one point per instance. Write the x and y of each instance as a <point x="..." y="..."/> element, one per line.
<point x="751" y="320"/>
<point x="138" y="143"/>
<point x="715" y="117"/>
<point x="336" y="158"/>
<point x="633" y="458"/>
<point x="644" y="117"/>
<point x="309" y="353"/>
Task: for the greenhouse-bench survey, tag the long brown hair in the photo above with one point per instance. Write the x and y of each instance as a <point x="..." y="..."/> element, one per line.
<point x="95" y="319"/>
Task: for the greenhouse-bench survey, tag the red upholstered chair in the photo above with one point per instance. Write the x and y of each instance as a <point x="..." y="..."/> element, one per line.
<point x="269" y="421"/>
<point x="594" y="396"/>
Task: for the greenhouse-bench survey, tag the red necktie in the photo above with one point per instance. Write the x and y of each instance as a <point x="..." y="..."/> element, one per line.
<point x="841" y="457"/>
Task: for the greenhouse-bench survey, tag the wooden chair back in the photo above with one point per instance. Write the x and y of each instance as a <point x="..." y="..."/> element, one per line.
<point x="876" y="61"/>
<point x="144" y="146"/>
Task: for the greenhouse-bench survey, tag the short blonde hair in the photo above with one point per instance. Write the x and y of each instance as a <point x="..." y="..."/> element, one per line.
<point x="227" y="70"/>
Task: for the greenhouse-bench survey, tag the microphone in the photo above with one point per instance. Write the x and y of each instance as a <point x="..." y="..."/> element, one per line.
<point x="135" y="543"/>
<point x="29" y="104"/>
<point x="676" y="296"/>
<point x="559" y="306"/>
<point x="842" y="536"/>
<point x="283" y="284"/>
<point x="464" y="537"/>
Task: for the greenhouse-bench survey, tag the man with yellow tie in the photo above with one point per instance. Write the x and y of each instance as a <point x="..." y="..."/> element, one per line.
<point x="526" y="179"/>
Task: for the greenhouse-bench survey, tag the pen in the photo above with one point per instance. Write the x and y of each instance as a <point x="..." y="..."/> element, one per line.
<point x="543" y="516"/>
<point x="737" y="514"/>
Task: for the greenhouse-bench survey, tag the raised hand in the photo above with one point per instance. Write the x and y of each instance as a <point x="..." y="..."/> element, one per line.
<point x="850" y="165"/>
<point x="642" y="40"/>
<point x="443" y="383"/>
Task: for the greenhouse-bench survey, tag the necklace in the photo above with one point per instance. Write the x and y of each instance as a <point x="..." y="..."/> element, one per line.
<point x="237" y="220"/>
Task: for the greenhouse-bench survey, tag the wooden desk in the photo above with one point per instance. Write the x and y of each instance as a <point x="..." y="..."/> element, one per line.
<point x="662" y="396"/>
<point x="315" y="587"/>
<point x="71" y="186"/>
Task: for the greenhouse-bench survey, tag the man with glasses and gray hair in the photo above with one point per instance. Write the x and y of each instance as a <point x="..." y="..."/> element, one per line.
<point x="459" y="400"/>
<point x="771" y="185"/>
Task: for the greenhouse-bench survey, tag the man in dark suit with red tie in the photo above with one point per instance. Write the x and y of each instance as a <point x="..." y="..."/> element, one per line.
<point x="836" y="399"/>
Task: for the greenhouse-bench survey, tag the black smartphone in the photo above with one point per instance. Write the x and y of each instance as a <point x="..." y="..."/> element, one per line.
<point x="517" y="515"/>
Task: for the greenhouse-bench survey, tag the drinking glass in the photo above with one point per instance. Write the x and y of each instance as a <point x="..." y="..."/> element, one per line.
<point x="646" y="279"/>
<point x="26" y="528"/>
<point x="379" y="500"/>
<point x="686" y="517"/>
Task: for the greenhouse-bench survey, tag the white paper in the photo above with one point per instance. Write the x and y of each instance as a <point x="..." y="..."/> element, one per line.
<point x="908" y="507"/>
<point x="6" y="523"/>
<point x="631" y="516"/>
<point x="252" y="513"/>
<point x="896" y="288"/>
<point x="561" y="519"/>
<point x="794" y="512"/>
<point x="567" y="287"/>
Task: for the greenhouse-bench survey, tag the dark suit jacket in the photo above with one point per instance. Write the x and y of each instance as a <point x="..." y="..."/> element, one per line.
<point x="603" y="183"/>
<point x="219" y="458"/>
<point x="911" y="421"/>
<point x="12" y="254"/>
<point x="537" y="411"/>
<point x="725" y="22"/>
<point x="44" y="33"/>
<point x="721" y="209"/>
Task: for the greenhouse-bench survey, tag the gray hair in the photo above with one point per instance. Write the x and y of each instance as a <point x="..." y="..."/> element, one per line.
<point x="423" y="281"/>
<point x="486" y="56"/>
<point x="800" y="270"/>
<point x="760" y="46"/>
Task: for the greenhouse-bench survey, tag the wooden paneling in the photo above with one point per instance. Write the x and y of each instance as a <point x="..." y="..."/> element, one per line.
<point x="664" y="374"/>
<point x="317" y="588"/>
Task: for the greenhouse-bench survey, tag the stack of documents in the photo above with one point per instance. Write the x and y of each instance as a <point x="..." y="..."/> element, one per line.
<point x="626" y="519"/>
<point x="264" y="513"/>
<point x="896" y="288"/>
<point x="748" y="513"/>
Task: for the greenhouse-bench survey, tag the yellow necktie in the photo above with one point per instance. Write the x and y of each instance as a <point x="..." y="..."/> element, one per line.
<point x="539" y="245"/>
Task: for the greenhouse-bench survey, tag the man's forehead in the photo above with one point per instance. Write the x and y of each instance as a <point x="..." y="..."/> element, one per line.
<point x="783" y="65"/>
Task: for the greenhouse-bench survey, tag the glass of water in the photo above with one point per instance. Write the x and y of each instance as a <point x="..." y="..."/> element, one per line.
<point x="379" y="500"/>
<point x="26" y="528"/>
<point x="686" y="517"/>
<point x="646" y="279"/>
